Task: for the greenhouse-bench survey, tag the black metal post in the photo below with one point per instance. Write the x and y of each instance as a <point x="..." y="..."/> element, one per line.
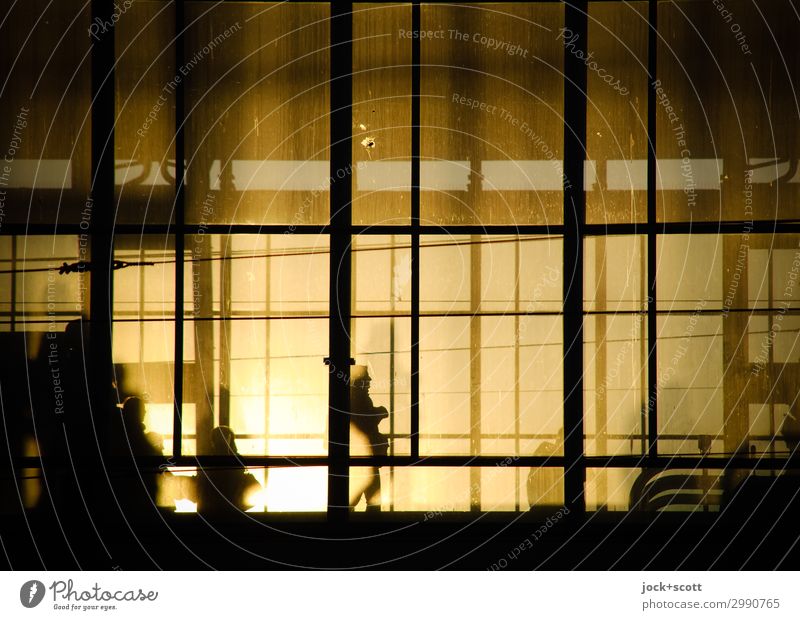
<point x="652" y="171"/>
<point x="100" y="207"/>
<point x="341" y="94"/>
<point x="416" y="51"/>
<point x="180" y="220"/>
<point x="575" y="20"/>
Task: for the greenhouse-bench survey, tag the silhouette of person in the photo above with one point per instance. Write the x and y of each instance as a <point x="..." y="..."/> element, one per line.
<point x="365" y="439"/>
<point x="226" y="489"/>
<point x="544" y="483"/>
<point x="136" y="486"/>
<point x="63" y="423"/>
<point x="17" y="428"/>
<point x="790" y="430"/>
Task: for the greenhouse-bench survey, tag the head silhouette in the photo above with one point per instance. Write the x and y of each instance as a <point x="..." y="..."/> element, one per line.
<point x="133" y="411"/>
<point x="76" y="338"/>
<point x="359" y="378"/>
<point x="223" y="439"/>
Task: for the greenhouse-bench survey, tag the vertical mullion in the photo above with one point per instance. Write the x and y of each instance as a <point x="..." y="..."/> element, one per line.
<point x="225" y="344"/>
<point x="13" y="308"/>
<point x="575" y="20"/>
<point x="475" y="358"/>
<point x="517" y="338"/>
<point x="643" y="348"/>
<point x="392" y="368"/>
<point x="180" y="221"/>
<point x="141" y="307"/>
<point x="267" y="347"/>
<point x="416" y="19"/>
<point x="341" y="101"/>
<point x="601" y="364"/>
<point x="652" y="171"/>
<point x="101" y="225"/>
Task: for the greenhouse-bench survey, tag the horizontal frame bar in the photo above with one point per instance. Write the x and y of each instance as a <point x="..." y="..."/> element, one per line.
<point x="661" y="461"/>
<point x="590" y="230"/>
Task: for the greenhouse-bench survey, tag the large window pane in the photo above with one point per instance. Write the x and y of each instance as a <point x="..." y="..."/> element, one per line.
<point x="615" y="268"/>
<point x="381" y="335"/>
<point x="143" y="346"/>
<point x="381" y="114"/>
<point x="739" y="272"/>
<point x="615" y="384"/>
<point x="256" y="339"/>
<point x="257" y="110"/>
<point x="144" y="130"/>
<point x="490" y="363"/>
<point x="616" y="115"/>
<point x="491" y="112"/>
<point x="42" y="290"/>
<point x="466" y="274"/>
<point x="615" y="345"/>
<point x="439" y="491"/>
<point x="728" y="350"/>
<point x="45" y="104"/>
<point x="727" y="111"/>
<point x="690" y="385"/>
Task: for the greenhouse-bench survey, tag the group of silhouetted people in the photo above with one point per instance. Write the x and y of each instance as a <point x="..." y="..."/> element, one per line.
<point x="97" y="453"/>
<point x="229" y="488"/>
<point x="224" y="489"/>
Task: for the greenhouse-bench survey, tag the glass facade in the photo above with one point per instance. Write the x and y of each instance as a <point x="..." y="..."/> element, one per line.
<point x="673" y="325"/>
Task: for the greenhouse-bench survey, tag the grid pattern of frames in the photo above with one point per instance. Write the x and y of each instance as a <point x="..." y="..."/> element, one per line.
<point x="652" y="321"/>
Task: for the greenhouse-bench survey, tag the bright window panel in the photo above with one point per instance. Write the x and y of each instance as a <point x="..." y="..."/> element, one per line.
<point x="144" y="290"/>
<point x="46" y="134"/>
<point x="739" y="272"/>
<point x="253" y="355"/>
<point x="682" y="285"/>
<point x="381" y="336"/>
<point x="492" y="117"/>
<point x="144" y="128"/>
<point x="257" y="109"/>
<point x="690" y="385"/>
<point x="381" y="114"/>
<point x="381" y="268"/>
<point x="439" y="491"/>
<point x="616" y="114"/>
<point x="615" y="384"/>
<point x="502" y="396"/>
<point x="40" y="293"/>
<point x="615" y="271"/>
<point x="462" y="274"/>
<point x="714" y="164"/>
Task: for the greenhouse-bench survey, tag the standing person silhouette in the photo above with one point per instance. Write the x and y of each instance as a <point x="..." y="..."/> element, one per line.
<point x="365" y="440"/>
<point x="135" y="486"/>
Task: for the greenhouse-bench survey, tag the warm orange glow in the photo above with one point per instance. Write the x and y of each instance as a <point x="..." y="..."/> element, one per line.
<point x="297" y="489"/>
